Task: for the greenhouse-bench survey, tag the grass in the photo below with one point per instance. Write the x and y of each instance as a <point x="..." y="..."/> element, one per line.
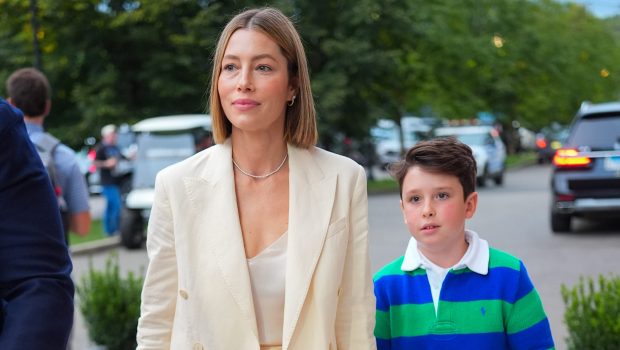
<point x="96" y="233"/>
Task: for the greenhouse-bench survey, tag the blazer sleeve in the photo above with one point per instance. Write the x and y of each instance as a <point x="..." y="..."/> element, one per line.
<point x="160" y="284"/>
<point x="355" y="319"/>
<point x="36" y="291"/>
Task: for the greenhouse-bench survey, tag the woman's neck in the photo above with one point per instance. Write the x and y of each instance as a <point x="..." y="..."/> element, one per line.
<point x="258" y="154"/>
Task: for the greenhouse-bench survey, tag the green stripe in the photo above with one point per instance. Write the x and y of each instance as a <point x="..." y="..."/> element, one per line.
<point x="499" y="258"/>
<point x="525" y="313"/>
<point x="382" y="327"/>
<point x="478" y="316"/>
<point x="411" y="320"/>
<point x="392" y="268"/>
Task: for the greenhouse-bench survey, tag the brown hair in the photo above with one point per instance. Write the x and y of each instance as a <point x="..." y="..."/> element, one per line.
<point x="443" y="155"/>
<point x="29" y="90"/>
<point x="300" y="124"/>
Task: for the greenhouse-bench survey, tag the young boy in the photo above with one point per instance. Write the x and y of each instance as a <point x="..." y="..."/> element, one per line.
<point x="450" y="290"/>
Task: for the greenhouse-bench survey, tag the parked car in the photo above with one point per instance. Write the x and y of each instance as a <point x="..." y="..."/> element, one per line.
<point x="585" y="180"/>
<point x="386" y="137"/>
<point x="548" y="140"/>
<point x="488" y="148"/>
<point x="161" y="141"/>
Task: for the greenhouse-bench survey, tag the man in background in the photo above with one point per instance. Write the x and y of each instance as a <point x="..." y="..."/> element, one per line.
<point x="107" y="160"/>
<point x="29" y="90"/>
<point x="36" y="291"/>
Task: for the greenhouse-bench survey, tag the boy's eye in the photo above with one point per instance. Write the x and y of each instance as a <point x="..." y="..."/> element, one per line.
<point x="414" y="199"/>
<point x="443" y="195"/>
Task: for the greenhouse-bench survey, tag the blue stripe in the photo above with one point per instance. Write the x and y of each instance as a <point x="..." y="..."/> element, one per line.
<point x="500" y="283"/>
<point x="394" y="290"/>
<point x="535" y="337"/>
<point x="481" y="341"/>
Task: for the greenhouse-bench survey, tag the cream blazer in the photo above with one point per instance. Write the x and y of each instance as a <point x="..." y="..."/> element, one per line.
<point x="197" y="292"/>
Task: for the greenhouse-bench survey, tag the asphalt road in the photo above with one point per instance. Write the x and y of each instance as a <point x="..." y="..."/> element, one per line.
<point x="513" y="218"/>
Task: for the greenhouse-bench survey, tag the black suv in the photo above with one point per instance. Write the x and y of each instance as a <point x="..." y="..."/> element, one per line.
<point x="586" y="170"/>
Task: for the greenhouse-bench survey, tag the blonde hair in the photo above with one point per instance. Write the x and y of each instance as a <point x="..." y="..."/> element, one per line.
<point x="300" y="125"/>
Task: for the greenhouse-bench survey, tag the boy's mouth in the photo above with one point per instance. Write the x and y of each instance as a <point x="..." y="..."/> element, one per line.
<point x="429" y="227"/>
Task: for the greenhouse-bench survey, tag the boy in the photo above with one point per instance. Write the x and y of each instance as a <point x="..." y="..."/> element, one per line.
<point x="450" y="290"/>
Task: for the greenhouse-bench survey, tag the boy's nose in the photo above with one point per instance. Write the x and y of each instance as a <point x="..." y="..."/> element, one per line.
<point x="428" y="211"/>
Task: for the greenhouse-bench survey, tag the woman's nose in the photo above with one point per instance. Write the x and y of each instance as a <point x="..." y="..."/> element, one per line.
<point x="244" y="83"/>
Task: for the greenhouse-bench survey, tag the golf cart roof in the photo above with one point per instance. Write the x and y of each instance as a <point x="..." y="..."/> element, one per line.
<point x="173" y="123"/>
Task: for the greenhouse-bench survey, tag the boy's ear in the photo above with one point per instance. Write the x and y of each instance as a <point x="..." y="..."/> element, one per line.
<point x="470" y="205"/>
<point x="402" y="209"/>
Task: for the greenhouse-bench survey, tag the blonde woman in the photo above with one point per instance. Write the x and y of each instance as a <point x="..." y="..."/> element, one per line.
<point x="259" y="242"/>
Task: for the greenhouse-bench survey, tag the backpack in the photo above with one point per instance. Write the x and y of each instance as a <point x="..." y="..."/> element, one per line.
<point x="46" y="145"/>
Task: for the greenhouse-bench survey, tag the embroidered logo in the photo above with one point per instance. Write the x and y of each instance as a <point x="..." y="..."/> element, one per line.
<point x="483" y="311"/>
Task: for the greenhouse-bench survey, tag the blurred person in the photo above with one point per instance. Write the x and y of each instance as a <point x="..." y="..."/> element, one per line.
<point x="29" y="90"/>
<point x="107" y="160"/>
<point x="260" y="241"/>
<point x="451" y="290"/>
<point x="36" y="291"/>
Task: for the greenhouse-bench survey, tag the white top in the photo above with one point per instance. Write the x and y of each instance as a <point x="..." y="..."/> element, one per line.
<point x="267" y="277"/>
<point x="476" y="258"/>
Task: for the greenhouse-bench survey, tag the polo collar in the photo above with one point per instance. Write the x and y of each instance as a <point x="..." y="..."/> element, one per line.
<point x="476" y="257"/>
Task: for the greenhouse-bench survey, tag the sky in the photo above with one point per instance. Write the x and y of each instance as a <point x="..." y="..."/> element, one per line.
<point x="600" y="8"/>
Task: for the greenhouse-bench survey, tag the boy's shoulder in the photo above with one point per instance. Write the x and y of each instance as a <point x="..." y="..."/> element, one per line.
<point x="393" y="269"/>
<point x="499" y="258"/>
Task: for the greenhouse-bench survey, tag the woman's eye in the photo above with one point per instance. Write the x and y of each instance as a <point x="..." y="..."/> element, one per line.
<point x="264" y="68"/>
<point x="414" y="199"/>
<point x="228" y="67"/>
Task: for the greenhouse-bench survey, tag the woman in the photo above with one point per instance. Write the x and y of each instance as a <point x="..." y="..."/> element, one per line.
<point x="259" y="242"/>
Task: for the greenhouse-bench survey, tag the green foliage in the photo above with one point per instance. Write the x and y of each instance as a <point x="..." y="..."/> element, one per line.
<point x="119" y="61"/>
<point x="111" y="305"/>
<point x="593" y="313"/>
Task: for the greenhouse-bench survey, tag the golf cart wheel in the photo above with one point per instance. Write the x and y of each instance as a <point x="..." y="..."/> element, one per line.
<point x="132" y="229"/>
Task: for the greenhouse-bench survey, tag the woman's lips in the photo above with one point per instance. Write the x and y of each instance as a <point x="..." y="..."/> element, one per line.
<point x="244" y="104"/>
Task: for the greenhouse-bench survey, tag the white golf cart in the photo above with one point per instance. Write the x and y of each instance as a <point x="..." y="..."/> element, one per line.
<point x="161" y="141"/>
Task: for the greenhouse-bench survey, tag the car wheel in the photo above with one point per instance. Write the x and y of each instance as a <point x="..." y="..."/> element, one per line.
<point x="499" y="179"/>
<point x="481" y="181"/>
<point x="132" y="229"/>
<point x="560" y="222"/>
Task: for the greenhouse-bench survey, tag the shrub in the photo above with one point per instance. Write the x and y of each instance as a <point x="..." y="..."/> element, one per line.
<point x="110" y="305"/>
<point x="593" y="313"/>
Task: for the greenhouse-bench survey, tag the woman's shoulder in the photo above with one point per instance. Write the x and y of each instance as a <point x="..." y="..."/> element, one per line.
<point x="333" y="159"/>
<point x="193" y="165"/>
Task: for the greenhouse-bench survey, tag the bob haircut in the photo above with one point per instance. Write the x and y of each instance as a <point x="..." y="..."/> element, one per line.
<point x="300" y="125"/>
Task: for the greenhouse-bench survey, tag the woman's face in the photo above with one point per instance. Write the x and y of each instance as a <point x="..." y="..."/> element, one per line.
<point x="254" y="84"/>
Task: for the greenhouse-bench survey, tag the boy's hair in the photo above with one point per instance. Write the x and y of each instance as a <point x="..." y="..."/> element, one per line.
<point x="443" y="155"/>
<point x="29" y="91"/>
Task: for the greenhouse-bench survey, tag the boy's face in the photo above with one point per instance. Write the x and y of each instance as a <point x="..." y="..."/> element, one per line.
<point x="434" y="210"/>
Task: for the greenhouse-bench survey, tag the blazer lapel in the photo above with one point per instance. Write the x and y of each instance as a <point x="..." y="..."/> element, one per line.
<point x="213" y="199"/>
<point x="310" y="205"/>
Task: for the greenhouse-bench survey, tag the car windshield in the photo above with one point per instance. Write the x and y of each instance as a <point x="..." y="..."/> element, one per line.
<point x="155" y="152"/>
<point x="598" y="133"/>
<point x="472" y="139"/>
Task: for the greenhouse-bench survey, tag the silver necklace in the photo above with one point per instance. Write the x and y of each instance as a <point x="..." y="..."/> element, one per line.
<point x="260" y="177"/>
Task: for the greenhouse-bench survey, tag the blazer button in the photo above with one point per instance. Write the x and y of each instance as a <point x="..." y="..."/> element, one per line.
<point x="197" y="346"/>
<point x="184" y="295"/>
